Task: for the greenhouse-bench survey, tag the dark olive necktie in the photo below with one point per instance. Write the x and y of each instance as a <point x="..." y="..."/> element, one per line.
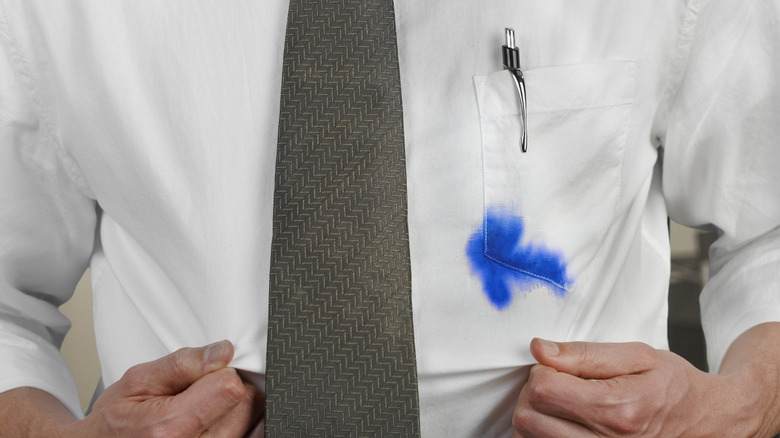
<point x="341" y="356"/>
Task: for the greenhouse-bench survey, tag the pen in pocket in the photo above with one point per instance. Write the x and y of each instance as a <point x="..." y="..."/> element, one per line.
<point x="512" y="63"/>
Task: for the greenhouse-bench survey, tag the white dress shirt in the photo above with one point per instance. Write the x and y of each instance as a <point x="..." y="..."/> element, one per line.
<point x="139" y="138"/>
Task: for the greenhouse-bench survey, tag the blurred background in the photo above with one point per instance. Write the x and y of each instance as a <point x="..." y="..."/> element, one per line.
<point x="689" y="271"/>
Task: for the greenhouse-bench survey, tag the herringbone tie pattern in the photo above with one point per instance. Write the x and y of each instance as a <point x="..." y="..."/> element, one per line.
<point x="341" y="357"/>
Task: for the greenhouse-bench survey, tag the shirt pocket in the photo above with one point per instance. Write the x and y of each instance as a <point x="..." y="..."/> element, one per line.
<point x="563" y="193"/>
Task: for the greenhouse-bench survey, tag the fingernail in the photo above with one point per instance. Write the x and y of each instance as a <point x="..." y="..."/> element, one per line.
<point x="213" y="354"/>
<point x="550" y="348"/>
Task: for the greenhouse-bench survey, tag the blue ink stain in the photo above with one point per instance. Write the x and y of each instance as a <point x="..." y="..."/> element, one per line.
<point x="501" y="262"/>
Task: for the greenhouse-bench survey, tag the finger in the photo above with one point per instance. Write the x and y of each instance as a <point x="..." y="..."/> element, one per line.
<point x="537" y="425"/>
<point x="242" y="418"/>
<point x="599" y="405"/>
<point x="175" y="372"/>
<point x="594" y="360"/>
<point x="562" y="395"/>
<point x="207" y="400"/>
<point x="531" y="423"/>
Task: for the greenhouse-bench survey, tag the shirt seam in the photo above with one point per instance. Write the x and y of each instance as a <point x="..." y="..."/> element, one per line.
<point x="625" y="136"/>
<point x="678" y="64"/>
<point x="26" y="77"/>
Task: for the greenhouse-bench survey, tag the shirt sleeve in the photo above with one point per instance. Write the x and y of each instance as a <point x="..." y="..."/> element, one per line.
<point x="721" y="169"/>
<point x="47" y="227"/>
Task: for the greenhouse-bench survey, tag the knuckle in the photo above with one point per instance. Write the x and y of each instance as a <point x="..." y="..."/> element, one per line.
<point x="642" y="348"/>
<point x="536" y="393"/>
<point x="113" y="420"/>
<point x="538" y="387"/>
<point x="197" y="420"/>
<point x="643" y="352"/>
<point x="233" y="387"/>
<point x="627" y="418"/>
<point x="134" y="373"/>
<point x="522" y="419"/>
<point x="133" y="380"/>
<point x="161" y="430"/>
<point x="585" y="352"/>
<point x="172" y="422"/>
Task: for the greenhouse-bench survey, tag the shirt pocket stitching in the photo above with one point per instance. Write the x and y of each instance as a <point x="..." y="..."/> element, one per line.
<point x="514" y="268"/>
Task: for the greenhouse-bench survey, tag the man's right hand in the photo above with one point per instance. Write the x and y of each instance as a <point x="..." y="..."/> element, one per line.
<point x="189" y="393"/>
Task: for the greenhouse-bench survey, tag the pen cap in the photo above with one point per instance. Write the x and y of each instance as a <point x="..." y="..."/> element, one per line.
<point x="510" y="52"/>
<point x="511" y="57"/>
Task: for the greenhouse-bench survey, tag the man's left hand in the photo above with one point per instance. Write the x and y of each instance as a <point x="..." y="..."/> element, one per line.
<point x="582" y="389"/>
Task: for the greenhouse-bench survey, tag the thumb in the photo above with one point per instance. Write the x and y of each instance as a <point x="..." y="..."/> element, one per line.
<point x="594" y="360"/>
<point x="175" y="372"/>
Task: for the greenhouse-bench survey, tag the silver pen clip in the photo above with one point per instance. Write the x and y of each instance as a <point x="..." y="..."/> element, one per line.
<point x="512" y="63"/>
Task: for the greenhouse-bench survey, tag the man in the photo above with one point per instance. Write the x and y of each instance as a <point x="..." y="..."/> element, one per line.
<point x="139" y="139"/>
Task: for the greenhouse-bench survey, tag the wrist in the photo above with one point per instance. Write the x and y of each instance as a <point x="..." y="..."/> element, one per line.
<point x="68" y="429"/>
<point x="31" y="413"/>
<point x="754" y="407"/>
<point x="752" y="362"/>
<point x="55" y="421"/>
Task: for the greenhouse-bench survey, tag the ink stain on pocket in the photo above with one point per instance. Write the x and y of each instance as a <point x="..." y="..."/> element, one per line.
<point x="503" y="263"/>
